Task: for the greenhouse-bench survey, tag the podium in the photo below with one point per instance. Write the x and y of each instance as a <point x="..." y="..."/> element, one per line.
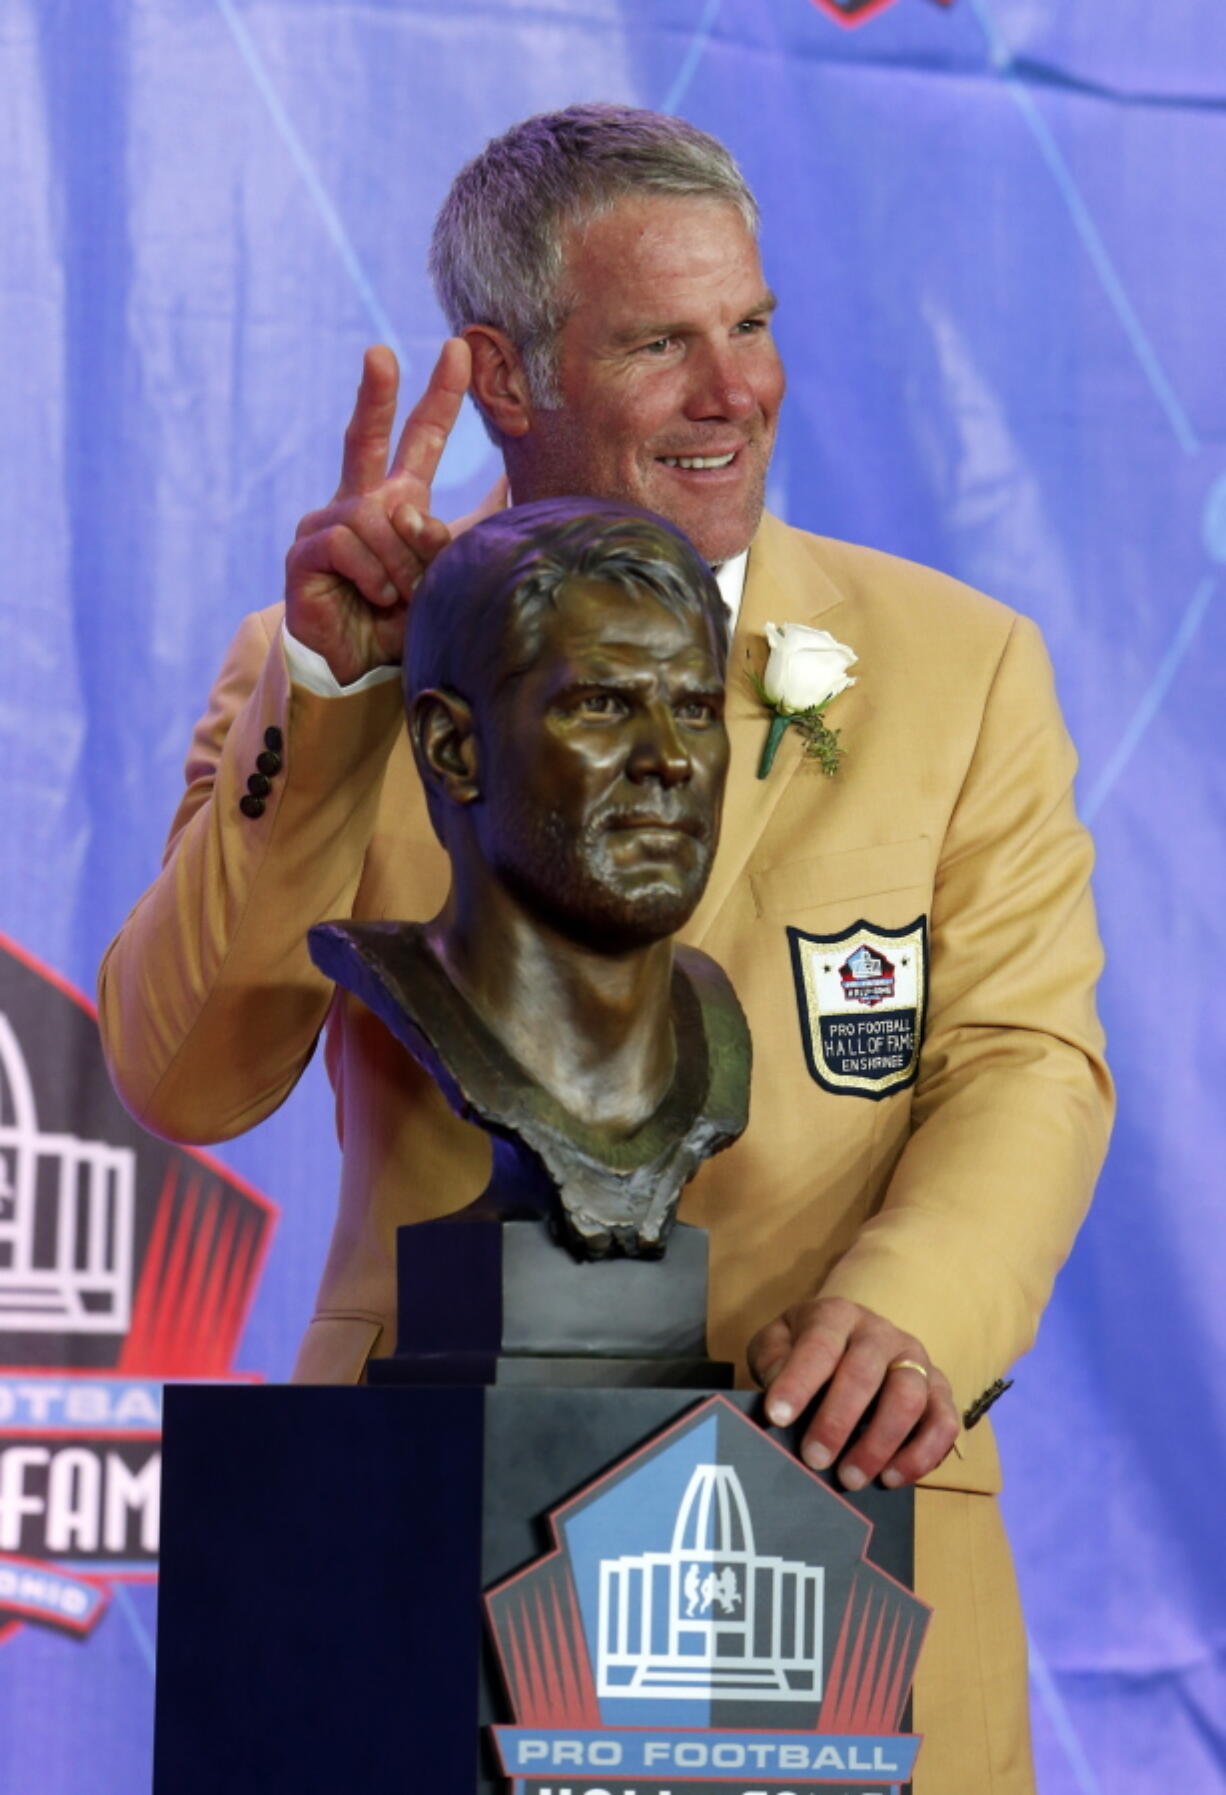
<point x="545" y="1538"/>
<point x="325" y="1555"/>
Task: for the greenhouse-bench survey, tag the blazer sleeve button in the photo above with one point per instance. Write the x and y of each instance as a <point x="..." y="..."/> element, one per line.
<point x="250" y="805"/>
<point x="273" y="738"/>
<point x="258" y="786"/>
<point x="268" y="762"/>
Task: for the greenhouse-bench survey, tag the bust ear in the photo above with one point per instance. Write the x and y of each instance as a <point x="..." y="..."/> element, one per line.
<point x="445" y="745"/>
<point x="499" y="384"/>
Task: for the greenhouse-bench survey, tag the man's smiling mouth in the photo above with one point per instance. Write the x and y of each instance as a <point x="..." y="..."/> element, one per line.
<point x="699" y="461"/>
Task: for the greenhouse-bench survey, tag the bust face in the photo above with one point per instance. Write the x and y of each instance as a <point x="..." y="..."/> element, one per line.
<point x="603" y="765"/>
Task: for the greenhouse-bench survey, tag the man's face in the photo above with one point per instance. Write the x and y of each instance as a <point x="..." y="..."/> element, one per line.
<point x="602" y="767"/>
<point x="669" y="376"/>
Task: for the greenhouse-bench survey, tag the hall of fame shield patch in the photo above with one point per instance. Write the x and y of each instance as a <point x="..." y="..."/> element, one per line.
<point x="862" y="995"/>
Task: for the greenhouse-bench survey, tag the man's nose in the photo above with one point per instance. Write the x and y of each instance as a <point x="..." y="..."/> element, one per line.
<point x="720" y="387"/>
<point x="658" y="751"/>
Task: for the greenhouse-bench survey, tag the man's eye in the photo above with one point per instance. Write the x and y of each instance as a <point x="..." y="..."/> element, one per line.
<point x="749" y="327"/>
<point x="658" y="346"/>
<point x="696" y="710"/>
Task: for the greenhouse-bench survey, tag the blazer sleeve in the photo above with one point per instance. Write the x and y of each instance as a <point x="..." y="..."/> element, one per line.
<point x="209" y="1005"/>
<point x="1013" y="1103"/>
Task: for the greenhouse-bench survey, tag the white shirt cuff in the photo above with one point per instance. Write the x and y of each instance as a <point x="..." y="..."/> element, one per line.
<point x="308" y="668"/>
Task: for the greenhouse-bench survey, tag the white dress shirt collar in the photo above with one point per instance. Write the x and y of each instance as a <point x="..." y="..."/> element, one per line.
<point x="730" y="578"/>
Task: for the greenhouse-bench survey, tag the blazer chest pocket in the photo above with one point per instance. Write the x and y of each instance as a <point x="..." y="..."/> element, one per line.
<point x="825" y="881"/>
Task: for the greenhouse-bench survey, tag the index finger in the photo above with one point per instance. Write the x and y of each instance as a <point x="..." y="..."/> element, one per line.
<point x="432" y="419"/>
<point x="815" y="1352"/>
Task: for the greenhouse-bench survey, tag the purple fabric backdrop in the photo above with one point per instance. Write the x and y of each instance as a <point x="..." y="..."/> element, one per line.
<point x="995" y="227"/>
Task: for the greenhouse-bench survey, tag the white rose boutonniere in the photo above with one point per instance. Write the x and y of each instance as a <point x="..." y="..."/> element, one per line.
<point x="807" y="668"/>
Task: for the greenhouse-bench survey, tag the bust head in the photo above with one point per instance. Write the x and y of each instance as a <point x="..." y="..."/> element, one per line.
<point x="564" y="690"/>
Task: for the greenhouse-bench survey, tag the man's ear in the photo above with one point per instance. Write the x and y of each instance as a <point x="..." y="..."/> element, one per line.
<point x="499" y="384"/>
<point x="445" y="745"/>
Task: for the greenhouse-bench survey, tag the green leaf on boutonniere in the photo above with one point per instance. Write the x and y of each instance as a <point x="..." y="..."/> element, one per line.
<point x="821" y="742"/>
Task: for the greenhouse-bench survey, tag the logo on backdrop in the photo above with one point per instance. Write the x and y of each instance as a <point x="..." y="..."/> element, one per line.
<point x="858" y="12"/>
<point x="708" y="1614"/>
<point x="123" y="1260"/>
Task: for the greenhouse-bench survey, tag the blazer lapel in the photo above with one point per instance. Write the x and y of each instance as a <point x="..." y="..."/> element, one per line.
<point x="773" y="594"/>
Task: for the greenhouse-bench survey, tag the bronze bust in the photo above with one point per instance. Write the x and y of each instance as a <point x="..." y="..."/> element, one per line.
<point x="564" y="695"/>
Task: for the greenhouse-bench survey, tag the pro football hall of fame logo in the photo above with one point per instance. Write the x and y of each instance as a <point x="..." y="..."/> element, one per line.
<point x="123" y="1261"/>
<point x="862" y="996"/>
<point x="708" y="1624"/>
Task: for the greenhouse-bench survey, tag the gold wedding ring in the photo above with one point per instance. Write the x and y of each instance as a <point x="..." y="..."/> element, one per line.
<point x="910" y="1365"/>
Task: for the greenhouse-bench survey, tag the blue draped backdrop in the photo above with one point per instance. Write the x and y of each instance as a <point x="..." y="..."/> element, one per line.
<point x="996" y="230"/>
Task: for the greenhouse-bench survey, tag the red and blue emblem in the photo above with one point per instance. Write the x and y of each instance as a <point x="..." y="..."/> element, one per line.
<point x="123" y="1261"/>
<point x="708" y="1613"/>
<point x="859" y="12"/>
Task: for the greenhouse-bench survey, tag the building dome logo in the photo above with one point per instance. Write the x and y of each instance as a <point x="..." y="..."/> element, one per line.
<point x="709" y="1608"/>
<point x="711" y="1616"/>
<point x="67" y="1212"/>
<point x="124" y="1260"/>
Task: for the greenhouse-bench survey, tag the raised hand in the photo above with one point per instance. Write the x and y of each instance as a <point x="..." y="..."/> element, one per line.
<point x="351" y="571"/>
<point x="867" y="1370"/>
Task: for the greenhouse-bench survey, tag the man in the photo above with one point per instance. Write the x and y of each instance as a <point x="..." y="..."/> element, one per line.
<point x="892" y="1245"/>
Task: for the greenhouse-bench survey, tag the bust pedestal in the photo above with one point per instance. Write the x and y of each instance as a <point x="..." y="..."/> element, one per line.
<point x="483" y="1301"/>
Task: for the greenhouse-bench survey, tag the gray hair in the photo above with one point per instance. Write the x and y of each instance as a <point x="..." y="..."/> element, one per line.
<point x="498" y="251"/>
